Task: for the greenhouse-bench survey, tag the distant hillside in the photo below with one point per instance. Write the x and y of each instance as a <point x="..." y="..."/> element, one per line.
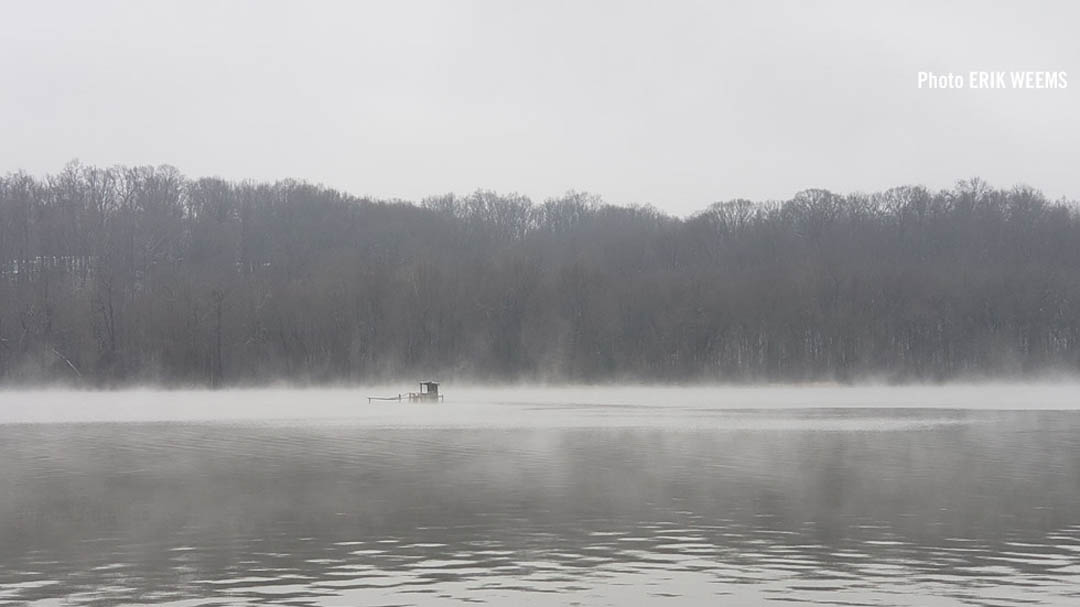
<point x="123" y="275"/>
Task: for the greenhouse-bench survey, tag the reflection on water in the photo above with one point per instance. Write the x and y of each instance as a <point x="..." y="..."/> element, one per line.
<point x="837" y="507"/>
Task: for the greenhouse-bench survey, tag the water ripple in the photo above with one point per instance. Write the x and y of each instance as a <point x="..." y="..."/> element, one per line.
<point x="976" y="510"/>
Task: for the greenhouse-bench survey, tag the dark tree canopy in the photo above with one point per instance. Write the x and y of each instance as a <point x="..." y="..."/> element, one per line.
<point x="128" y="275"/>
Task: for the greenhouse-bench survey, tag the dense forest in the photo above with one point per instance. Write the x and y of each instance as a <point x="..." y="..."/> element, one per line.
<point x="130" y="275"/>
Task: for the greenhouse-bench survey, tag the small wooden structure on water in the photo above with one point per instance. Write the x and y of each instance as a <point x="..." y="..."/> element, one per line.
<point x="429" y="393"/>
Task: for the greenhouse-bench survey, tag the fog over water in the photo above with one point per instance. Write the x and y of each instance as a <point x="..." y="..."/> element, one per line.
<point x="960" y="495"/>
<point x="526" y="406"/>
<point x="733" y="303"/>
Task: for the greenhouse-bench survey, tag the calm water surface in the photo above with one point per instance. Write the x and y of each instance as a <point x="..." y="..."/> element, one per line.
<point x="532" y="502"/>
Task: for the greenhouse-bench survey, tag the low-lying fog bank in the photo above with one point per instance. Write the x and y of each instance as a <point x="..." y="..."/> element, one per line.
<point x="510" y="405"/>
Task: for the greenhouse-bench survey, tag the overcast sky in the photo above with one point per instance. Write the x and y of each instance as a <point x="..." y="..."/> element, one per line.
<point x="677" y="104"/>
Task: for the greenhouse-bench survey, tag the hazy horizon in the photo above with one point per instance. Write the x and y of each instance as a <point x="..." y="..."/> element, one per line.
<point x="689" y="213"/>
<point x="678" y="106"/>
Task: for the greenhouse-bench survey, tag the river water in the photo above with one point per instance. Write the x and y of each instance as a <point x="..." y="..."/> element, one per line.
<point x="636" y="496"/>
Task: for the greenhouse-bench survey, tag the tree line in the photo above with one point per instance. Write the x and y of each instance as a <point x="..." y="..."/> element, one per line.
<point x="124" y="275"/>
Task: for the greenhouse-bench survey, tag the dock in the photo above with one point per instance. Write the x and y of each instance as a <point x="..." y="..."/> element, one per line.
<point x="429" y="393"/>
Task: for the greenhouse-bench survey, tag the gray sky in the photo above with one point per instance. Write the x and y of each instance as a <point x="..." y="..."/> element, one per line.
<point x="677" y="104"/>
